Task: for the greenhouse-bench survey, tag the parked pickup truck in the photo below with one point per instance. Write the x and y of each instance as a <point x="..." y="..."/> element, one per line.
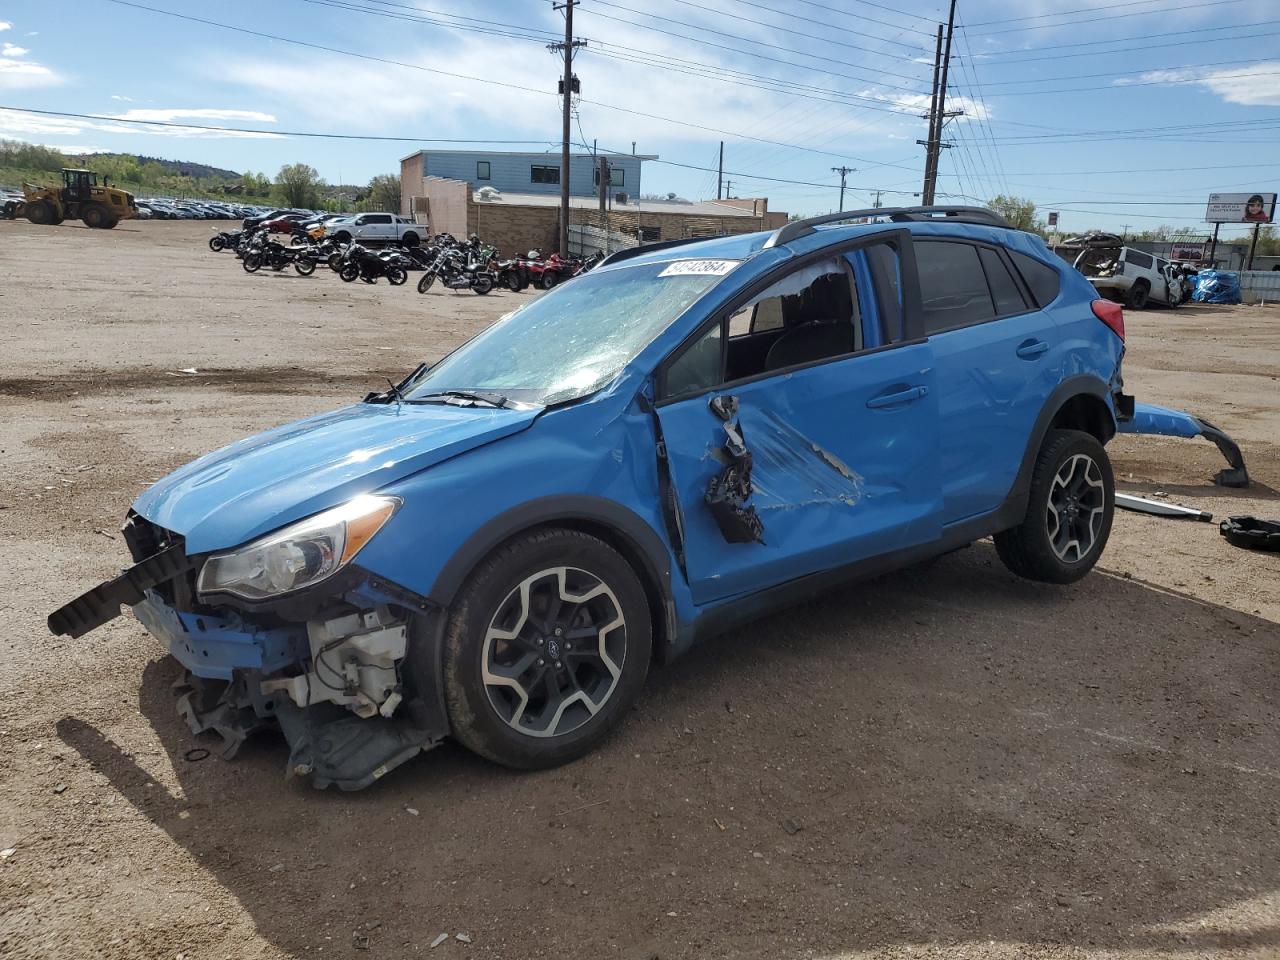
<point x="383" y="227"/>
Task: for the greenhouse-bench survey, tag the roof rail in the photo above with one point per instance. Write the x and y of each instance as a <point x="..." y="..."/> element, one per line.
<point x="630" y="252"/>
<point x="802" y="228"/>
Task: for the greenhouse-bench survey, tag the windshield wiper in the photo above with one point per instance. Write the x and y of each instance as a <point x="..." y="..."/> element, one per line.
<point x="471" y="396"/>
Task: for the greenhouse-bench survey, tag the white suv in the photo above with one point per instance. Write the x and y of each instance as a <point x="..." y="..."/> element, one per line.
<point x="377" y="227"/>
<point x="1127" y="275"/>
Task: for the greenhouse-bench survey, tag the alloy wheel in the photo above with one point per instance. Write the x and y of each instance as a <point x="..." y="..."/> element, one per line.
<point x="1076" y="508"/>
<point x="554" y="652"/>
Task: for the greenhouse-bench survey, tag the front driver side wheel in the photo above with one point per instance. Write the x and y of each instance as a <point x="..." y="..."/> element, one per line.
<point x="546" y="648"/>
<point x="1069" y="511"/>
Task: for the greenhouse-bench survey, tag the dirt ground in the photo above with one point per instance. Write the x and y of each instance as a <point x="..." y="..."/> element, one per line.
<point x="943" y="762"/>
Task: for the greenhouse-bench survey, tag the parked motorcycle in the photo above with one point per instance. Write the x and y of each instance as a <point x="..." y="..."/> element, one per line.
<point x="226" y="239"/>
<point x="453" y="270"/>
<point x="277" y="256"/>
<point x="360" y="263"/>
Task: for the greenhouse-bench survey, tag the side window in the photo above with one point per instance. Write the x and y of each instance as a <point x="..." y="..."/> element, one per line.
<point x="379" y="218"/>
<point x="697" y="367"/>
<point x="1043" y="281"/>
<point x="482" y="169"/>
<point x="1138" y="259"/>
<point x="953" y="288"/>
<point x="1004" y="289"/>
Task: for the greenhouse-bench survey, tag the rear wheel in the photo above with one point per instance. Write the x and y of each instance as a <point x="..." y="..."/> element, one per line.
<point x="548" y="279"/>
<point x="111" y="224"/>
<point x="396" y="276"/>
<point x="514" y="283"/>
<point x="410" y="239"/>
<point x="349" y="272"/>
<point x="1136" y="299"/>
<point x="1069" y="511"/>
<point x="546" y="649"/>
<point x="251" y="262"/>
<point x="305" y="266"/>
<point x="95" y="216"/>
<point x="41" y="212"/>
<point x="217" y="243"/>
<point x="482" y="284"/>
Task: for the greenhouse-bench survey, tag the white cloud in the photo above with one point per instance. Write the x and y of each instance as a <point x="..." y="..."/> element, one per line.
<point x="5" y="25"/>
<point x="22" y="74"/>
<point x="9" y="50"/>
<point x="200" y="113"/>
<point x="116" y="96"/>
<point x="15" y="121"/>
<point x="1256" y="85"/>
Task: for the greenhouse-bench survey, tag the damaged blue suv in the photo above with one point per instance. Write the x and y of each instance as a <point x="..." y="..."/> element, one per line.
<point x="696" y="432"/>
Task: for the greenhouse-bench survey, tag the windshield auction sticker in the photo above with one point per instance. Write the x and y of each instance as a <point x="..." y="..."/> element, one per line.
<point x="693" y="268"/>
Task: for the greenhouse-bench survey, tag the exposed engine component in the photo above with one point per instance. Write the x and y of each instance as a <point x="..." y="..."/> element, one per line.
<point x="353" y="664"/>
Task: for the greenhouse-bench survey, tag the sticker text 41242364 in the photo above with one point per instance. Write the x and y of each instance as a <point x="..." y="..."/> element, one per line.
<point x="691" y="268"/>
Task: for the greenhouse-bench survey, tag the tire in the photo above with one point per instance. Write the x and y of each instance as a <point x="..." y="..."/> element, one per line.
<point x="1136" y="298"/>
<point x="251" y="262"/>
<point x="335" y="262"/>
<point x="548" y="279"/>
<point x="1072" y="498"/>
<point x="482" y="283"/>
<point x="342" y="237"/>
<point x="513" y="282"/>
<point x="95" y="217"/>
<point x="41" y="212"/>
<point x="111" y="224"/>
<point x="425" y="281"/>
<point x="396" y="276"/>
<point x="304" y="266"/>
<point x="533" y="727"/>
<point x="349" y="273"/>
<point x="216" y="244"/>
<point x="410" y="239"/>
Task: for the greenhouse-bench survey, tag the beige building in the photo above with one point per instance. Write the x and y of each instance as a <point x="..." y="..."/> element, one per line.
<point x="516" y="222"/>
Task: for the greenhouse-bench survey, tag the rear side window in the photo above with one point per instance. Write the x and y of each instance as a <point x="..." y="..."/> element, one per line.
<point x="1004" y="290"/>
<point x="1042" y="280"/>
<point x="953" y="287"/>
<point x="1138" y="259"/>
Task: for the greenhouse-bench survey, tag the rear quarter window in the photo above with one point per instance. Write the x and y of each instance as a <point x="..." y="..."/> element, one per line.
<point x="1042" y="280"/>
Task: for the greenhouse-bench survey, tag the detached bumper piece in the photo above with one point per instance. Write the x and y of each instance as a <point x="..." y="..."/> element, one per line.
<point x="1150" y="419"/>
<point x="1251" y="533"/>
<point x="102" y="604"/>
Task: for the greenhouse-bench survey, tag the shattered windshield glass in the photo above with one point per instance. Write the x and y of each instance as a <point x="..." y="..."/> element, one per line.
<point x="574" y="340"/>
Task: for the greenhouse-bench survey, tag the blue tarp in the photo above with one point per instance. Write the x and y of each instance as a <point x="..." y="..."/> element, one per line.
<point x="1217" y="286"/>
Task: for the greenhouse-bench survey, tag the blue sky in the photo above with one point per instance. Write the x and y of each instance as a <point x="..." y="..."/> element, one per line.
<point x="1113" y="113"/>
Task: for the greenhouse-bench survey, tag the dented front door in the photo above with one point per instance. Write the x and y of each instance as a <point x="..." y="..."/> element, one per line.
<point x="843" y="467"/>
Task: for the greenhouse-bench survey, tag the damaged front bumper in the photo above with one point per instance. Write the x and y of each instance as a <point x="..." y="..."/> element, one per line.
<point x="347" y="670"/>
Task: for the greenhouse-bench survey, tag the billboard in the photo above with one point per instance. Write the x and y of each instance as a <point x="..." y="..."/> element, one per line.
<point x="1184" y="250"/>
<point x="1241" y="208"/>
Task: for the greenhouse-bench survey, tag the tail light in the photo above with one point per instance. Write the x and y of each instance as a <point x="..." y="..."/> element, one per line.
<point x="1119" y="270"/>
<point x="1110" y="314"/>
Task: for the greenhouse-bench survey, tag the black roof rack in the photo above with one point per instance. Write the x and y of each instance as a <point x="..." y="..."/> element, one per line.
<point x="802" y="228"/>
<point x="630" y="252"/>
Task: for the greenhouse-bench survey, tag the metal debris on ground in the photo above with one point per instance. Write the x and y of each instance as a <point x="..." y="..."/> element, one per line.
<point x="464" y="938"/>
<point x="439" y="940"/>
<point x="1155" y="508"/>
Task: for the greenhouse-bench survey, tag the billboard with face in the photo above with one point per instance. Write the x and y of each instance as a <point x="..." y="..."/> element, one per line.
<point x="1241" y="208"/>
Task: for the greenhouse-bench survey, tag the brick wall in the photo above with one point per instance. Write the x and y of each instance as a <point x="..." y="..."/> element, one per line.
<point x="515" y="230"/>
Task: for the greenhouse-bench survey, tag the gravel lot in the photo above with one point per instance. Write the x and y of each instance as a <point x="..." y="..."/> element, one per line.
<point x="943" y="762"/>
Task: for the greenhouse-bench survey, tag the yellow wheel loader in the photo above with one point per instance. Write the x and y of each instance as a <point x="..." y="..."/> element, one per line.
<point x="79" y="198"/>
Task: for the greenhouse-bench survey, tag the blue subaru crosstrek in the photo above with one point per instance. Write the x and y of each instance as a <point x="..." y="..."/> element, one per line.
<point x="692" y="434"/>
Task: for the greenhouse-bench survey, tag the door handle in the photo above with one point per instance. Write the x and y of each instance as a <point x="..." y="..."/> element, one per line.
<point x="1031" y="349"/>
<point x="897" y="397"/>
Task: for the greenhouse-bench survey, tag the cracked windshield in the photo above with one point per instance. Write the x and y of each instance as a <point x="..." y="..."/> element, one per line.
<point x="572" y="341"/>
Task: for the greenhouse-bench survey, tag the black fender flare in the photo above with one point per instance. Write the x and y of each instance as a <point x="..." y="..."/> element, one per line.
<point x="638" y="542"/>
<point x="1015" y="505"/>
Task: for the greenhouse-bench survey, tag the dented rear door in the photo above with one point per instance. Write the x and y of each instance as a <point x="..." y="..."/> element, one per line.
<point x="843" y="467"/>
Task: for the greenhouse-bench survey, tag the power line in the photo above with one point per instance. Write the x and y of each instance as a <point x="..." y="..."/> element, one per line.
<point x="1275" y="72"/>
<point x="792" y="15"/>
<point x="1005" y="59"/>
<point x="1122" y="73"/>
<point x="1119" y="16"/>
<point x="1062" y="13"/>
<point x="798" y="33"/>
<point x="266" y="133"/>
<point x="488" y="81"/>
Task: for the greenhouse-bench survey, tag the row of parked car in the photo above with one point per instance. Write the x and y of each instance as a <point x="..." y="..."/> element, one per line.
<point x="166" y="208"/>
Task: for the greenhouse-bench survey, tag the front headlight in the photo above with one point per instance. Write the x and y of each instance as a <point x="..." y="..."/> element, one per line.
<point x="299" y="555"/>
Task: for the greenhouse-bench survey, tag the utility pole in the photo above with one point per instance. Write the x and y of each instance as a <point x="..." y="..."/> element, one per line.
<point x="843" y="171"/>
<point x="878" y="204"/>
<point x="567" y="89"/>
<point x="1213" y="247"/>
<point x="1125" y="232"/>
<point x="728" y="190"/>
<point x="938" y="115"/>
<point x="719" y="174"/>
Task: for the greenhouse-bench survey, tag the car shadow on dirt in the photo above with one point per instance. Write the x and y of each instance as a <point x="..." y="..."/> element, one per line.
<point x="946" y="755"/>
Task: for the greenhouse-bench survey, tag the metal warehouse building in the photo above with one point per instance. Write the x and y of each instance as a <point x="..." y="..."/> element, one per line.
<point x="520" y="172"/>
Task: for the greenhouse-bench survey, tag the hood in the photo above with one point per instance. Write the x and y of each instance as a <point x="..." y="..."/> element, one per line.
<point x="261" y="483"/>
